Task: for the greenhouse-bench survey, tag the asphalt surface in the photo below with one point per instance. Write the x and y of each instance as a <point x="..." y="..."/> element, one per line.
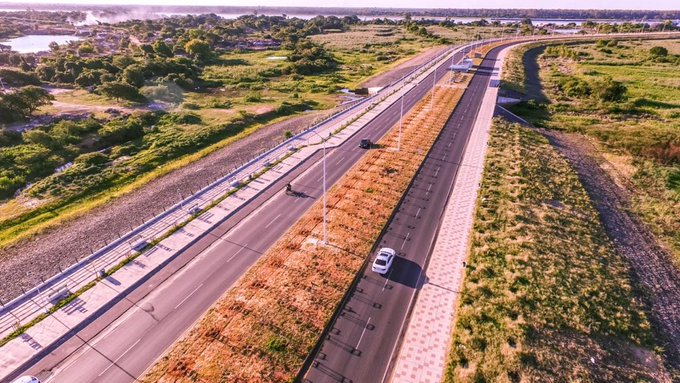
<point x="361" y="344"/>
<point x="122" y="340"/>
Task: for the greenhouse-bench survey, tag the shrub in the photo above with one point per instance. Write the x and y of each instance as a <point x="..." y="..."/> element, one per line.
<point x="92" y="159"/>
<point x="16" y="78"/>
<point x="658" y="51"/>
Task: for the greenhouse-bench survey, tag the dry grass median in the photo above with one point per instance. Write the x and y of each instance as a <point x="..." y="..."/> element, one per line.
<point x="263" y="328"/>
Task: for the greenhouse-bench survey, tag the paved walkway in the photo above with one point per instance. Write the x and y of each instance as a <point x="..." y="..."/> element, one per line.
<point x="59" y="323"/>
<point x="424" y="351"/>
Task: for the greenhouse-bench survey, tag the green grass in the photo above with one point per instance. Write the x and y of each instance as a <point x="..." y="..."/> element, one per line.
<point x="252" y="85"/>
<point x="544" y="289"/>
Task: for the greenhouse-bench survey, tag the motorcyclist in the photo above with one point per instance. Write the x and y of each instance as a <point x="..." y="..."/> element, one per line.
<point x="289" y="188"/>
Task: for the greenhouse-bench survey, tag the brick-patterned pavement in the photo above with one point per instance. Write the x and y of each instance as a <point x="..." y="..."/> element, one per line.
<point x="425" y="347"/>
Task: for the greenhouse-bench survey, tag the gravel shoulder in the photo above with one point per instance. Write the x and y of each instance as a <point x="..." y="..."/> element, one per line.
<point x="23" y="265"/>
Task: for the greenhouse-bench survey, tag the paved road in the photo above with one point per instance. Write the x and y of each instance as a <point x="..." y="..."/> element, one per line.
<point x="363" y="339"/>
<point x="121" y="342"/>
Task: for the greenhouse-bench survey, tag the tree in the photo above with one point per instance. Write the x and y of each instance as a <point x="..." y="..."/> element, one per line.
<point x="120" y="90"/>
<point x="147" y="49"/>
<point x="34" y="97"/>
<point x="23" y="102"/>
<point x="86" y="48"/>
<point x="134" y="75"/>
<point x="54" y="47"/>
<point x="197" y="48"/>
<point x="162" y="49"/>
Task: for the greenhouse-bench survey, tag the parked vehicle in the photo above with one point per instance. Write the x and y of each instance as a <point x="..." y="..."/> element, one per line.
<point x="383" y="261"/>
<point x="365" y="144"/>
<point x="27" y="379"/>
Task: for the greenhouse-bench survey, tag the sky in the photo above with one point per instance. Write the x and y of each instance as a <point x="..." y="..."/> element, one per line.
<point x="564" y="4"/>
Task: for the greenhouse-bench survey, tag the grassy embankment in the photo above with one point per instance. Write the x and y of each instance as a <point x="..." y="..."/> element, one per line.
<point x="545" y="297"/>
<point x="265" y="326"/>
<point x="255" y="93"/>
<point x="638" y="135"/>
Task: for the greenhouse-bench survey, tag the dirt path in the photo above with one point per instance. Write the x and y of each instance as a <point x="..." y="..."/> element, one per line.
<point x="532" y="80"/>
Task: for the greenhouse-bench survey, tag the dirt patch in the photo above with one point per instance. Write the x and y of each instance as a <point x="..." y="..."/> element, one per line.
<point x="563" y="355"/>
<point x="652" y="265"/>
<point x="386" y="78"/>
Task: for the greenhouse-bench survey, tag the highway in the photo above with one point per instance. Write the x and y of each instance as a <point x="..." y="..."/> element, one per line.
<point x="364" y="338"/>
<point x="122" y="340"/>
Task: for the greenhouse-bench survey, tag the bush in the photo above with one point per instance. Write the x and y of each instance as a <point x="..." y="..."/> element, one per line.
<point x="180" y="119"/>
<point x="608" y="90"/>
<point x="190" y="106"/>
<point x="118" y="132"/>
<point x="253" y="97"/>
<point x="658" y="51"/>
<point x="575" y="87"/>
<point x="15" y="78"/>
<point x="166" y="93"/>
<point x="92" y="159"/>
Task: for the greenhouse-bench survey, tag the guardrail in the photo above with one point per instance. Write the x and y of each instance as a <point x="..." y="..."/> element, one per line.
<point x="39" y="299"/>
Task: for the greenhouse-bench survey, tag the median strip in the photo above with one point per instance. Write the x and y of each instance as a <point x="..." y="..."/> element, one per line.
<point x="266" y="325"/>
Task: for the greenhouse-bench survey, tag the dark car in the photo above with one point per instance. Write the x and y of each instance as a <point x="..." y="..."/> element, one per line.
<point x="365" y="143"/>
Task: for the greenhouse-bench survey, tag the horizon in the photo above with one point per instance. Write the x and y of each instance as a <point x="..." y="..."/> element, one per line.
<point x="354" y="4"/>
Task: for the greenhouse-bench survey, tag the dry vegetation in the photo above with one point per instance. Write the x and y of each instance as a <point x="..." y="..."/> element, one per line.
<point x="264" y="327"/>
<point x="638" y="135"/>
<point x="363" y="36"/>
<point x="546" y="298"/>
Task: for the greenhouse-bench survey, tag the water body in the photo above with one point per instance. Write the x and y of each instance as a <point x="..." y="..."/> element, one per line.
<point x="37" y="43"/>
<point x="95" y="17"/>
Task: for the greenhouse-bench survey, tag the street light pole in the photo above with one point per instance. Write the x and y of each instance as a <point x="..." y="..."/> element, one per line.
<point x="401" y="122"/>
<point x="434" y="82"/>
<point x="323" y="141"/>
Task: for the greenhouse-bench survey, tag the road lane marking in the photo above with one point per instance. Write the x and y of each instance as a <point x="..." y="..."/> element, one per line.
<point x="418" y="212"/>
<point x="437" y="172"/>
<point x="362" y="333"/>
<point x="405" y="239"/>
<point x="117" y="359"/>
<point x="340" y="160"/>
<point x="429" y="187"/>
<point x="236" y="253"/>
<point x="272" y="221"/>
<point x="188" y="296"/>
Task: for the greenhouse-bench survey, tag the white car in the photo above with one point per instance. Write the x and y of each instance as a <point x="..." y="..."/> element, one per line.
<point x="27" y="379"/>
<point x="383" y="261"/>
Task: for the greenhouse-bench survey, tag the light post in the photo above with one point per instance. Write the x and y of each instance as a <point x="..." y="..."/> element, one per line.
<point x="434" y="82"/>
<point x="401" y="122"/>
<point x="323" y="141"/>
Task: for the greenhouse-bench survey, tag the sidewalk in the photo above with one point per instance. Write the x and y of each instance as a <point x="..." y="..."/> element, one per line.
<point x="281" y="159"/>
<point x="424" y="350"/>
